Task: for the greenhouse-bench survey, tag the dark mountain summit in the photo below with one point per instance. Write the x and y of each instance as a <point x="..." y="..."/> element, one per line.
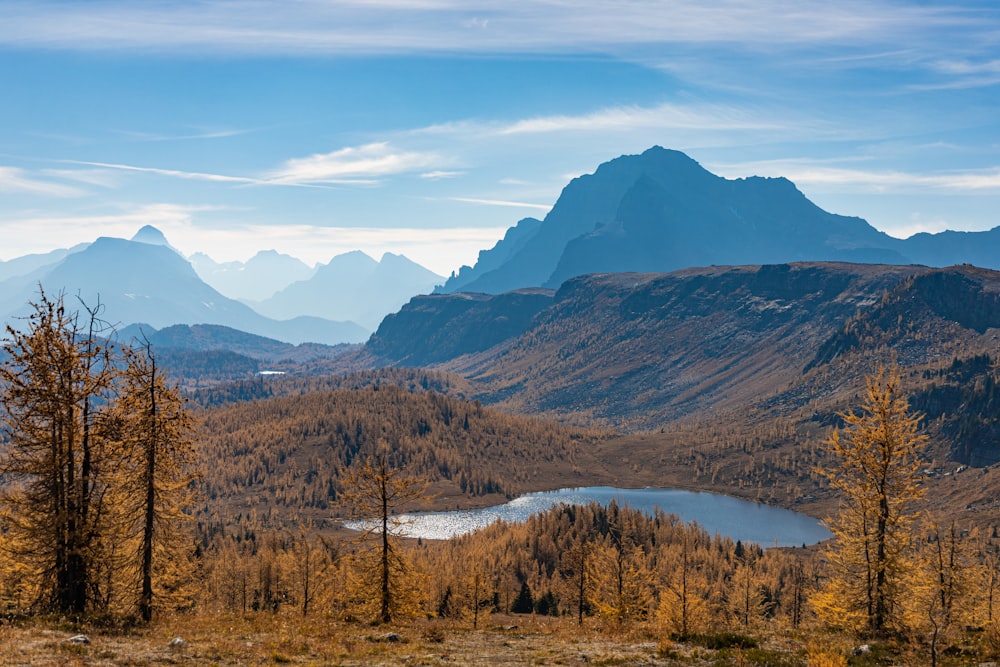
<point x="661" y="211"/>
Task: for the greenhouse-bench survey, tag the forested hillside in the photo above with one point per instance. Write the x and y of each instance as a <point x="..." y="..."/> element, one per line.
<point x="284" y="458"/>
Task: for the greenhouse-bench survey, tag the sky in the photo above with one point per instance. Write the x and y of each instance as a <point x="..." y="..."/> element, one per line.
<point x="428" y="127"/>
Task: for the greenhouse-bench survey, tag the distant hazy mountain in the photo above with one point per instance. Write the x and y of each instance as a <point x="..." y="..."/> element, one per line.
<point x="215" y="337"/>
<point x="661" y="211"/>
<point x="29" y="264"/>
<point x="354" y="287"/>
<point x="256" y="279"/>
<point x="149" y="282"/>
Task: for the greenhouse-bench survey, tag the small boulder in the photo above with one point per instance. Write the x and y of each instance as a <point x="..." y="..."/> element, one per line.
<point x="864" y="649"/>
<point x="177" y="642"/>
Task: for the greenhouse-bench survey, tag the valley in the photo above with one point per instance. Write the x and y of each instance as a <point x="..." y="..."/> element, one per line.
<point x="613" y="361"/>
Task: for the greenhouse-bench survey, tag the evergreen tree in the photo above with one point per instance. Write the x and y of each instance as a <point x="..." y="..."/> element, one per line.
<point x="524" y="603"/>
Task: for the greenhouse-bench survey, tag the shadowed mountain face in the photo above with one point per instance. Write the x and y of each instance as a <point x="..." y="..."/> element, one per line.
<point x="639" y="350"/>
<point x="438" y="327"/>
<point x="661" y="211"/>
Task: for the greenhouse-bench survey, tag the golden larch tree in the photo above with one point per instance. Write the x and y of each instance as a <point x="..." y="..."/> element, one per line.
<point x="876" y="469"/>
<point x="376" y="491"/>
<point x="158" y="432"/>
<point x="56" y="374"/>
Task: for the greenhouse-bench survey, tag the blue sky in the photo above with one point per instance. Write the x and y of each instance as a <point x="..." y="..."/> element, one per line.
<point x="428" y="127"/>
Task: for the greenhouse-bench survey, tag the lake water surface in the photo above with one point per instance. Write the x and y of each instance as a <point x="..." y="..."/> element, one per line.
<point x="725" y="515"/>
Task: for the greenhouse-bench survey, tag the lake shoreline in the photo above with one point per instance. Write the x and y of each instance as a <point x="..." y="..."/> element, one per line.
<point x="721" y="514"/>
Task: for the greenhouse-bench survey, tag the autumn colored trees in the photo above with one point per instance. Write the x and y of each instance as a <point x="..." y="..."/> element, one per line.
<point x="94" y="464"/>
<point x="99" y="454"/>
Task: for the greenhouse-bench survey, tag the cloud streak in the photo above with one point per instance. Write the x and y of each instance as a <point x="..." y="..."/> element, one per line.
<point x="986" y="181"/>
<point x="691" y="117"/>
<point x="349" y="164"/>
<point x="356" y="165"/>
<point x="501" y="202"/>
<point x="399" y="26"/>
<point x="15" y="180"/>
<point x="174" y="173"/>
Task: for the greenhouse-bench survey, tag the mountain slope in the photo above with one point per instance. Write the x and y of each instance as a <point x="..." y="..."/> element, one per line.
<point x="438" y="327"/>
<point x="643" y="350"/>
<point x="26" y="265"/>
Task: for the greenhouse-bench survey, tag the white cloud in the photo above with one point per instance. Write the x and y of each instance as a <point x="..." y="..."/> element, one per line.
<point x="14" y="179"/>
<point x="630" y="118"/>
<point x="42" y="233"/>
<point x="106" y="178"/>
<point x="803" y="172"/>
<point x="175" y="173"/>
<point x="205" y="134"/>
<point x="352" y="164"/>
<point x="394" y="26"/>
<point x="501" y="202"/>
<point x="441" y="174"/>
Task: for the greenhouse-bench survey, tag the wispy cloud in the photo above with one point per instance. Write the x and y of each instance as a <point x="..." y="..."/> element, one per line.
<point x="207" y="134"/>
<point x="501" y="202"/>
<point x="105" y="178"/>
<point x="962" y="75"/>
<point x="174" y="173"/>
<point x="370" y="161"/>
<point x="15" y="179"/>
<point x="440" y="175"/>
<point x="696" y="116"/>
<point x="360" y="165"/>
<point x="353" y="27"/>
<point x="871" y="180"/>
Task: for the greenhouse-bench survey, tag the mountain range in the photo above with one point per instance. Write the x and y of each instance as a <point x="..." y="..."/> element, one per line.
<point x="258" y="278"/>
<point x="661" y="211"/>
<point x="146" y="281"/>
<point x="353" y="285"/>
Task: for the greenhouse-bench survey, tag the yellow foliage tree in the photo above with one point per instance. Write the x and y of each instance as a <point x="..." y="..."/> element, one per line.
<point x="375" y="491"/>
<point x="622" y="582"/>
<point x="684" y="605"/>
<point x="943" y="586"/>
<point x="158" y="434"/>
<point x="58" y="465"/>
<point x="876" y="470"/>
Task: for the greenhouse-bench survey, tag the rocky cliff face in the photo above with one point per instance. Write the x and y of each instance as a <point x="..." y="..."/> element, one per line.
<point x="437" y="328"/>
